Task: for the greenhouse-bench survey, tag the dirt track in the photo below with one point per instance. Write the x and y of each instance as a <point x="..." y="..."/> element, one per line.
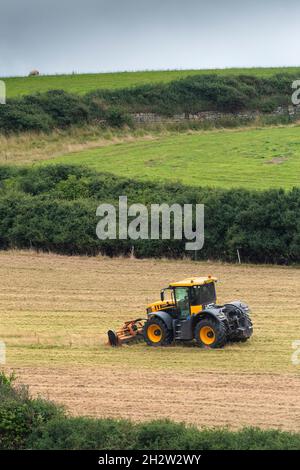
<point x="54" y="312"/>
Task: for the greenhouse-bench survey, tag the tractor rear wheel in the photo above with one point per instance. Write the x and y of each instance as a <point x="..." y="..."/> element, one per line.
<point x="156" y="333"/>
<point x="210" y="333"/>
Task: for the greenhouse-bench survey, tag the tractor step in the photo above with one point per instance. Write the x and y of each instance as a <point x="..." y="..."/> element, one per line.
<point x="177" y="330"/>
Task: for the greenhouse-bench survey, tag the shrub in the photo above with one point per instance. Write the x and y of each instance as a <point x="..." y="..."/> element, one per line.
<point x="83" y="433"/>
<point x="63" y="108"/>
<point x="54" y="208"/>
<point x="18" y="117"/>
<point x="200" y="93"/>
<point x="59" y="109"/>
<point x="167" y="435"/>
<point x="19" y="414"/>
<point x="107" y="434"/>
<point x="117" y="118"/>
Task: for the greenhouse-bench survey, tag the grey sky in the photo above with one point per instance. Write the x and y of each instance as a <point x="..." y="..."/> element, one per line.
<point x="57" y="36"/>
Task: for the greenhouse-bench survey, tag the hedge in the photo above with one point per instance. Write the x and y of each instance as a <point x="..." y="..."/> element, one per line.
<point x="202" y="93"/>
<point x="60" y="109"/>
<point x="53" y="208"/>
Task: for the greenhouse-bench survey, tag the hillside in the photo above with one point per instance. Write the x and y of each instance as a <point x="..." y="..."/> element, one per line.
<point x="252" y="159"/>
<point x="84" y="83"/>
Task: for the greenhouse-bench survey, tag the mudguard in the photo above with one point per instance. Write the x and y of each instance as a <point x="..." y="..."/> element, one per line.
<point x="242" y="306"/>
<point x="213" y="312"/>
<point x="165" y="317"/>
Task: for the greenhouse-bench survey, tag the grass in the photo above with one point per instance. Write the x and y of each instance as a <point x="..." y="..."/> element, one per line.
<point x="31" y="147"/>
<point x="83" y="83"/>
<point x="250" y="158"/>
<point x="254" y="158"/>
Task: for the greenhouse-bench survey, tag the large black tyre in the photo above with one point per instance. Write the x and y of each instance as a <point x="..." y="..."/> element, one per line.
<point x="210" y="333"/>
<point x="156" y="332"/>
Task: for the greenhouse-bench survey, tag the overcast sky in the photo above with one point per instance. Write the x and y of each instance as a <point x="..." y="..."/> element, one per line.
<point x="57" y="36"/>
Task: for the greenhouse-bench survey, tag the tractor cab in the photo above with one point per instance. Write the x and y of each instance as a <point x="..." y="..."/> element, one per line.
<point x="187" y="297"/>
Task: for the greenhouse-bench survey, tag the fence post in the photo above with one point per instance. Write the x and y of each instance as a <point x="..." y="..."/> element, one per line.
<point x="2" y="353"/>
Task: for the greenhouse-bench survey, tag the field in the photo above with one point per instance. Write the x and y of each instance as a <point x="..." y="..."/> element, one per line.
<point x="253" y="158"/>
<point x="83" y="83"/>
<point x="54" y="313"/>
<point x="55" y="310"/>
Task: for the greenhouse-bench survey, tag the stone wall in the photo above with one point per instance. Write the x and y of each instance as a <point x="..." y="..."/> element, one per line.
<point x="141" y="118"/>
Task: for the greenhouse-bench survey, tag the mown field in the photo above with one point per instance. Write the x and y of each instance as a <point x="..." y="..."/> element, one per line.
<point x="83" y="83"/>
<point x="253" y="158"/>
<point x="55" y="310"/>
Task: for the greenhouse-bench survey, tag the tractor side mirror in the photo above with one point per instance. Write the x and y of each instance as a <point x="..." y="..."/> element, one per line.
<point x="162" y="295"/>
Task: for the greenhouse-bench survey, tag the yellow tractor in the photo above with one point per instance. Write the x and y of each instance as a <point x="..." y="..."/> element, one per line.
<point x="188" y="310"/>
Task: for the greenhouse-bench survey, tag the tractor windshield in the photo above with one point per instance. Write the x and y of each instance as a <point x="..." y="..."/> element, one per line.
<point x="203" y="295"/>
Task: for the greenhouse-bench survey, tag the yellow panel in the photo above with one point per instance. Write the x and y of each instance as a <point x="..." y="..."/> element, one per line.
<point x="193" y="281"/>
<point x="159" y="305"/>
<point x="196" y="309"/>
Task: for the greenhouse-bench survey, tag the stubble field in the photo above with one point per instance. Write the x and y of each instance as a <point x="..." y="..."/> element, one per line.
<point x="55" y="311"/>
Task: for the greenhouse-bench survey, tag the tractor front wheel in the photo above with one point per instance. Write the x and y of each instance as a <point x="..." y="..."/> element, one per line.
<point x="210" y="333"/>
<point x="156" y="333"/>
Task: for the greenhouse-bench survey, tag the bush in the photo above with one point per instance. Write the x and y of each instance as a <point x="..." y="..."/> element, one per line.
<point x="63" y="108"/>
<point x="59" y="109"/>
<point x="54" y="208"/>
<point x="36" y="222"/>
<point x="19" y="414"/>
<point x="18" y="117"/>
<point x="167" y="435"/>
<point x="200" y="93"/>
<point x="117" y="118"/>
<point x="83" y="433"/>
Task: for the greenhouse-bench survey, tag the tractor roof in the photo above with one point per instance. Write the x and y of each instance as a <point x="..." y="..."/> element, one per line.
<point x="193" y="281"/>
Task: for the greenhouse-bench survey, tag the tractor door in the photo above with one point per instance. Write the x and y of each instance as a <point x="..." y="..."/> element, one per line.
<point x="184" y="323"/>
<point x="182" y="302"/>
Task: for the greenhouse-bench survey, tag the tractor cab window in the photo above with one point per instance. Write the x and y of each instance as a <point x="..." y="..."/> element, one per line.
<point x="182" y="301"/>
<point x="203" y="295"/>
<point x="168" y="295"/>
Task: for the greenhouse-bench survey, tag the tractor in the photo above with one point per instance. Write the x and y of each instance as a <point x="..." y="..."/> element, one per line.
<point x="186" y="311"/>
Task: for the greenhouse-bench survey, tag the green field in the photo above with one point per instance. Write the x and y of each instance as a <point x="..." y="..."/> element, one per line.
<point x="255" y="158"/>
<point x="83" y="83"/>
